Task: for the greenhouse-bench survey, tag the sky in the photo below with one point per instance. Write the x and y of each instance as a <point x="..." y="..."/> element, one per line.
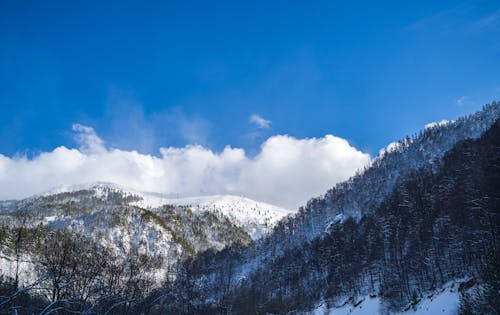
<point x="280" y="95"/>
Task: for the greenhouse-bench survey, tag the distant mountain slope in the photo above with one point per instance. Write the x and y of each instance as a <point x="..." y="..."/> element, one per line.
<point x="126" y="221"/>
<point x="256" y="218"/>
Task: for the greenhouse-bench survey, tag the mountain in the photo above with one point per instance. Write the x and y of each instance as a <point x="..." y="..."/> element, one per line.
<point x="423" y="214"/>
<point x="256" y="218"/>
<point x="124" y="221"/>
<point x="363" y="193"/>
<point x="416" y="230"/>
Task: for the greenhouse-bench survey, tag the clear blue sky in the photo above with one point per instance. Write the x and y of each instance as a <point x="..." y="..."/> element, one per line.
<point x="169" y="74"/>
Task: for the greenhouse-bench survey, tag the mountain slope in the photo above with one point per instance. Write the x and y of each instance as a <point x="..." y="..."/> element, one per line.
<point x="256" y="218"/>
<point x="127" y="222"/>
<point x="439" y="222"/>
<point x="363" y="193"/>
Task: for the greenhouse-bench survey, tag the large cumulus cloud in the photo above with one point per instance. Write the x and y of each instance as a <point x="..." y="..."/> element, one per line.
<point x="287" y="171"/>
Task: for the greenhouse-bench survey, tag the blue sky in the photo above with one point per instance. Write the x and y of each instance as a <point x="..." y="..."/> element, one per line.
<point x="170" y="74"/>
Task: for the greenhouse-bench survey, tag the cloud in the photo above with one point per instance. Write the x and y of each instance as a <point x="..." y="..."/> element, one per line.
<point x="461" y="19"/>
<point x="462" y="100"/>
<point x="128" y="125"/>
<point x="259" y="121"/>
<point x="87" y="139"/>
<point x="487" y="21"/>
<point x="286" y="171"/>
<point x="442" y="21"/>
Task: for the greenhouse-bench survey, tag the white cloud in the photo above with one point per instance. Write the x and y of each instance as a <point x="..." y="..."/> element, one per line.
<point x="260" y="121"/>
<point x="462" y="100"/>
<point x="87" y="139"/>
<point x="287" y="171"/>
<point x="487" y="21"/>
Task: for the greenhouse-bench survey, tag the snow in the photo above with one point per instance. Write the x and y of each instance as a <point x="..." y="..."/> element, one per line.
<point x="369" y="306"/>
<point x="27" y="273"/>
<point x="391" y="147"/>
<point x="257" y="218"/>
<point x="50" y="218"/>
<point x="445" y="301"/>
<point x="443" y="122"/>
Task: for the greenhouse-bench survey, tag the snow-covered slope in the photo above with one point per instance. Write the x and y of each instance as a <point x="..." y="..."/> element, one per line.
<point x="256" y="218"/>
<point x="155" y="224"/>
<point x="444" y="301"/>
<point x="364" y="192"/>
<point x="128" y="222"/>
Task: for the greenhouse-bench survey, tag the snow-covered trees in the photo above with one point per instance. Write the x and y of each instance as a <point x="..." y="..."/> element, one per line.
<point x="76" y="274"/>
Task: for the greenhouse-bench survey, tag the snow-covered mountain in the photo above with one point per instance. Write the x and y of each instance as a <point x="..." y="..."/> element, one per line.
<point x="365" y="191"/>
<point x="127" y="221"/>
<point x="424" y="213"/>
<point x="256" y="218"/>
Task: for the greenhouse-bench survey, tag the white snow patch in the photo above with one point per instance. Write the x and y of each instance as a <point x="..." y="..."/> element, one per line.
<point x="445" y="301"/>
<point x="26" y="270"/>
<point x="49" y="219"/>
<point x="443" y="122"/>
<point x="369" y="306"/>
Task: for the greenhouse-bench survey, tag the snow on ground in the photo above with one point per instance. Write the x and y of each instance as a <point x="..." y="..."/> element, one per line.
<point x="27" y="273"/>
<point x="369" y="306"/>
<point x="445" y="302"/>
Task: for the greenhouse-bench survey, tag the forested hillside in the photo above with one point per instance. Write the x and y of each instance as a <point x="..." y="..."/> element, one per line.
<point x="438" y="224"/>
